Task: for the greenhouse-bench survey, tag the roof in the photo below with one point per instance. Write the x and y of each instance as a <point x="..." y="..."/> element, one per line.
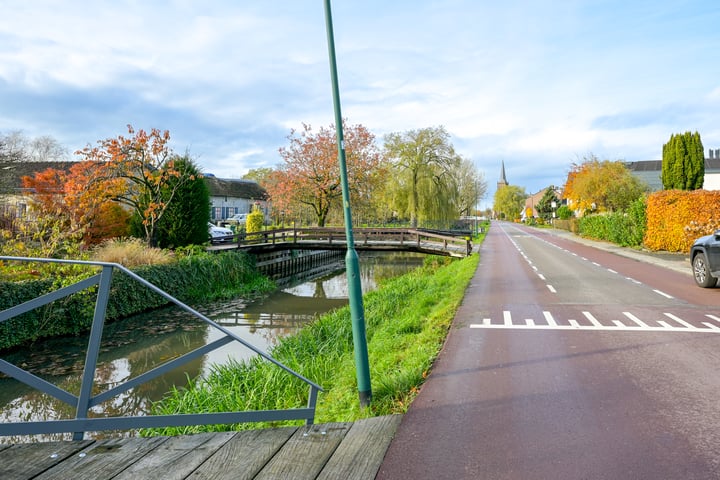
<point x="236" y="188"/>
<point x="14" y="171"/>
<point x="712" y="164"/>
<point x="218" y="187"/>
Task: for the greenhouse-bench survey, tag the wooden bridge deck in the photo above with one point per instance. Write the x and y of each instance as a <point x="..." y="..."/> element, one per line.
<point x="324" y="451"/>
<point x="397" y="239"/>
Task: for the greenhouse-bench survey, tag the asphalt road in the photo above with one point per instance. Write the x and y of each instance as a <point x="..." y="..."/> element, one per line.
<point x="569" y="362"/>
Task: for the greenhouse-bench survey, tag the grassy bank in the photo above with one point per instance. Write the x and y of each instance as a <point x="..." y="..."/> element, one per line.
<point x="407" y="320"/>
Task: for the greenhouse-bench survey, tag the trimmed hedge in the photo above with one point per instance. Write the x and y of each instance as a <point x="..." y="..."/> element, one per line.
<point x="626" y="228"/>
<point x="675" y="218"/>
<point x="195" y="278"/>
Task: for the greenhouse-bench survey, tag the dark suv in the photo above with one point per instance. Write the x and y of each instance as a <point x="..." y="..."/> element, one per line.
<point x="705" y="260"/>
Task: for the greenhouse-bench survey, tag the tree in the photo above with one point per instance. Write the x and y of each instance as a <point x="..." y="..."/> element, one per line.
<point x="259" y="175"/>
<point x="146" y="165"/>
<point x="471" y="187"/>
<point x="310" y="175"/>
<point x="77" y="207"/>
<point x="683" y="162"/>
<point x="603" y="185"/>
<point x="509" y="201"/>
<point x="545" y="206"/>
<point x="185" y="221"/>
<point x="424" y="169"/>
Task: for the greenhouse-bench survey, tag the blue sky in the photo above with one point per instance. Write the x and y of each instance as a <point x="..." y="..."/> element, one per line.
<point x="536" y="84"/>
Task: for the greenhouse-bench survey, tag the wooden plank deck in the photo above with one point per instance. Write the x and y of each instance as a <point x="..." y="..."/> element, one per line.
<point x="325" y="451"/>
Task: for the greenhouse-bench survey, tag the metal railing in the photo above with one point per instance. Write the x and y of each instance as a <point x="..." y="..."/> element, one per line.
<point x="85" y="400"/>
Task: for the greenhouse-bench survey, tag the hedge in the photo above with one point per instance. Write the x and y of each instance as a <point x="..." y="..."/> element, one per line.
<point x="195" y="278"/>
<point x="675" y="218"/>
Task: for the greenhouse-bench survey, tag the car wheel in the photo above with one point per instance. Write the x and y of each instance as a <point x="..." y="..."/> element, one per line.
<point x="701" y="272"/>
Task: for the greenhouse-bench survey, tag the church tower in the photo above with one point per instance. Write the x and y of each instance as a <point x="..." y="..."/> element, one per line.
<point x="503" y="179"/>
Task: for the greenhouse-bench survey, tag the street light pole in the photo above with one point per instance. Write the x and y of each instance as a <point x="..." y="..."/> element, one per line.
<point x="352" y="265"/>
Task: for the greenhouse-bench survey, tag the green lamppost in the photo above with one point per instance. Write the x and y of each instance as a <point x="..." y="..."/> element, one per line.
<point x="352" y="266"/>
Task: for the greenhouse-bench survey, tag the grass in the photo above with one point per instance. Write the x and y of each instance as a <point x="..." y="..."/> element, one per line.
<point x="131" y="252"/>
<point x="407" y="320"/>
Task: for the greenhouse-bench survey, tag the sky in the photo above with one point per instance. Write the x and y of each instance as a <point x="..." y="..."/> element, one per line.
<point x="535" y="84"/>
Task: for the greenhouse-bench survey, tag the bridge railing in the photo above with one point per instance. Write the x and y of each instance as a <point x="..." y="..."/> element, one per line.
<point x="420" y="239"/>
<point x="86" y="400"/>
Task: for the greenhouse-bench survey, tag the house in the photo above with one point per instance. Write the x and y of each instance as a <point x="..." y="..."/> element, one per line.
<point x="231" y="196"/>
<point x="13" y="196"/>
<point x="227" y="196"/>
<point x="650" y="171"/>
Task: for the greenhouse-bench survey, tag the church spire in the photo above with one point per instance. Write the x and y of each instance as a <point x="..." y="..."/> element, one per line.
<point x="503" y="179"/>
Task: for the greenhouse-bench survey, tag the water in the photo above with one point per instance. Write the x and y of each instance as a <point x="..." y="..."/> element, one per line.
<point x="138" y="344"/>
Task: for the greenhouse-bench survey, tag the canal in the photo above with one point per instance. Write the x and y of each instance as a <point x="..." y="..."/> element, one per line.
<point x="135" y="345"/>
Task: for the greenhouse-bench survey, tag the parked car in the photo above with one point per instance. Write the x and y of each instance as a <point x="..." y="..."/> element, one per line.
<point x="219" y="234"/>
<point x="705" y="260"/>
<point x="237" y="218"/>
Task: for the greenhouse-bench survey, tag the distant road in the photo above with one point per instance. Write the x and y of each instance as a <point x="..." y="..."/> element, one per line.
<point x="569" y="362"/>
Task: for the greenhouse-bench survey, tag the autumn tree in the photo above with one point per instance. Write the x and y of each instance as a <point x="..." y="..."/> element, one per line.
<point x="310" y="174"/>
<point x="683" y="162"/>
<point x="425" y="174"/>
<point x="81" y="211"/>
<point x="146" y="165"/>
<point x="509" y="201"/>
<point x="603" y="185"/>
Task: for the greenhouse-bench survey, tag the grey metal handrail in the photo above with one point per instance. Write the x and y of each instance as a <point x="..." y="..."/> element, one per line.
<point x="86" y="400"/>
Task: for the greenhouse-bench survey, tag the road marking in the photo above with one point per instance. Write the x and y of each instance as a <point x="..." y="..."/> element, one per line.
<point x="542" y="277"/>
<point x="611" y="270"/>
<point x="635" y="319"/>
<point x="678" y="320"/>
<point x="592" y="319"/>
<point x="635" y="325"/>
<point x="552" y="289"/>
<point x="662" y="293"/>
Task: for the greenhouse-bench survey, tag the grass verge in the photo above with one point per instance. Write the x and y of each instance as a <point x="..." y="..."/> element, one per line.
<point x="407" y="320"/>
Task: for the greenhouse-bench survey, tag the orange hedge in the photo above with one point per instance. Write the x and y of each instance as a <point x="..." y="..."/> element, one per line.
<point x="675" y="218"/>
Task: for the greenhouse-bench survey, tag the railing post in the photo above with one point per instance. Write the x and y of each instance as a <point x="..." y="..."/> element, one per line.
<point x="88" y="377"/>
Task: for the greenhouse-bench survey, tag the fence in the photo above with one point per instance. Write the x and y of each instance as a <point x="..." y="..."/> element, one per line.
<point x="85" y="400"/>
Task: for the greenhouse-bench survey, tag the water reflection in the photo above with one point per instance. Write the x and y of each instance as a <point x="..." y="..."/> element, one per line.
<point x="138" y="344"/>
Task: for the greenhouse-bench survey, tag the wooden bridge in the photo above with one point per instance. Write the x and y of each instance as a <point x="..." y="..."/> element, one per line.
<point x="378" y="239"/>
<point x="348" y="451"/>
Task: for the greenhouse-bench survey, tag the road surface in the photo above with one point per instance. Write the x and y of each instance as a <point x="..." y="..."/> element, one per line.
<point x="568" y="362"/>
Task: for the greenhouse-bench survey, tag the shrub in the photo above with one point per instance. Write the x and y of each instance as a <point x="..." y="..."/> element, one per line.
<point x="676" y="218"/>
<point x="131" y="252"/>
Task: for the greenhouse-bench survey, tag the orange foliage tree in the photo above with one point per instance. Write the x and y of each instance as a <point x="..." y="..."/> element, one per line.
<point x="675" y="218"/>
<point x="603" y="185"/>
<point x="80" y="206"/>
<point x="140" y="172"/>
<point x="310" y="175"/>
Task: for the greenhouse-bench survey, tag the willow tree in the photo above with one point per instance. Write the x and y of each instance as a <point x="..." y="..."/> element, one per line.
<point x="424" y="179"/>
<point x="509" y="201"/>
